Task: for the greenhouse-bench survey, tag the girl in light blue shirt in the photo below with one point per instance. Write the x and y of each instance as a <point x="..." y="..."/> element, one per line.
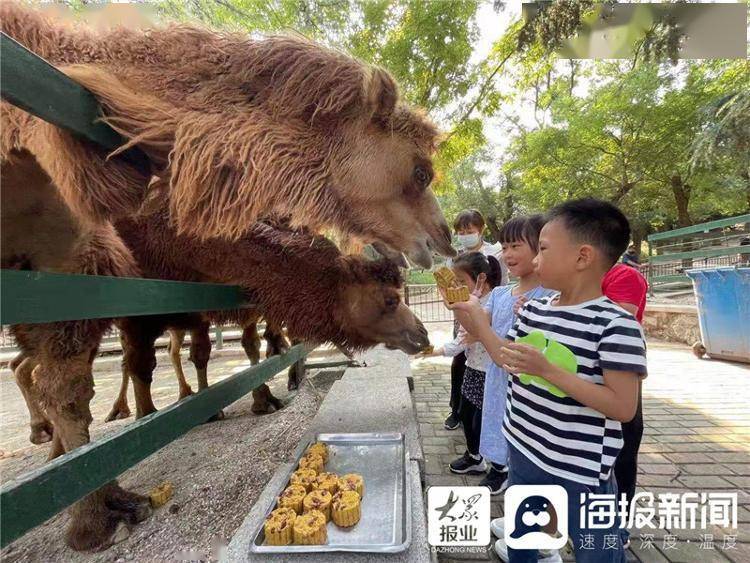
<point x="520" y="239"/>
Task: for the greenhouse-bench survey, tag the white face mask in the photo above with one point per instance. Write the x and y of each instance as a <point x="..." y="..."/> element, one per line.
<point x="468" y="241"/>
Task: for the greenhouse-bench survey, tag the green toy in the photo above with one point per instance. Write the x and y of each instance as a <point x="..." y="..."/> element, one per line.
<point x="556" y="353"/>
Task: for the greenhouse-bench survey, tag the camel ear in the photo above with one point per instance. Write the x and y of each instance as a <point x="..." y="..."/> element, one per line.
<point x="382" y="94"/>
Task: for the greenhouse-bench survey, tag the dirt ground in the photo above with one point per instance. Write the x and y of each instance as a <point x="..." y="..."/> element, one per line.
<point x="217" y="469"/>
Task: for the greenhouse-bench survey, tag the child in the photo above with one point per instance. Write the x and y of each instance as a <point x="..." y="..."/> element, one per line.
<point x="480" y="274"/>
<point x="565" y="428"/>
<point x="519" y="238"/>
<point x="628" y="288"/>
<point x="469" y="226"/>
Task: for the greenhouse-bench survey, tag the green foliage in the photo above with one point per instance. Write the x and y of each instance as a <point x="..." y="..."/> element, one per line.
<point x="631" y="139"/>
<point x="417" y="277"/>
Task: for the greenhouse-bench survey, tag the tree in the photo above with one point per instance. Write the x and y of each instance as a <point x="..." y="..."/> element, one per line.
<point x="479" y="183"/>
<point x="628" y="140"/>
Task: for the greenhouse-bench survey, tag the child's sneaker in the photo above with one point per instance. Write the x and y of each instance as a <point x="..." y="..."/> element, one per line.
<point x="452" y="422"/>
<point x="496" y="480"/>
<point x="543" y="555"/>
<point x="497" y="527"/>
<point x="467" y="463"/>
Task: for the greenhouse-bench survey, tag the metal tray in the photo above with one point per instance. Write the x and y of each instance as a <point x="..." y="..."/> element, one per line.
<point x="385" y="527"/>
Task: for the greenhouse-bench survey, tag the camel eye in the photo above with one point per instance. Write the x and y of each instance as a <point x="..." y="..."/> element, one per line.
<point x="391" y="303"/>
<point x="422" y="176"/>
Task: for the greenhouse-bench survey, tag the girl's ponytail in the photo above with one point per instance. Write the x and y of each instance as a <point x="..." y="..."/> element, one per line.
<point x="495" y="275"/>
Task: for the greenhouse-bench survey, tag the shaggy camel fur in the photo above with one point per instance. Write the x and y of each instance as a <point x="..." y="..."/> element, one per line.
<point x="236" y="129"/>
<point x="38" y="231"/>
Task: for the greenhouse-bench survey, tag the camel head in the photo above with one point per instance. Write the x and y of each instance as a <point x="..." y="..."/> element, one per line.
<point x="371" y="311"/>
<point x="384" y="173"/>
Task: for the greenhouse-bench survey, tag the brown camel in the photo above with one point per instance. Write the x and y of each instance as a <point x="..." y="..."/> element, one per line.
<point x="236" y="129"/>
<point x="299" y="280"/>
<point x="38" y="231"/>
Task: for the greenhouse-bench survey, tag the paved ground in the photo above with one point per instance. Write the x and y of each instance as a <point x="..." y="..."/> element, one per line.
<point x="697" y="439"/>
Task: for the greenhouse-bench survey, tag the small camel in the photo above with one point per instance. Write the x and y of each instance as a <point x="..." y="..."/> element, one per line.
<point x="325" y="296"/>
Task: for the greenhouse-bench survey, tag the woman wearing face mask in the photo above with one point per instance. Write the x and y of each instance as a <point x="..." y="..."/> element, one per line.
<point x="468" y="226"/>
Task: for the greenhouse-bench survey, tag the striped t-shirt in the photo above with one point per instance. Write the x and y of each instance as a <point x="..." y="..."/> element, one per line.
<point x="556" y="432"/>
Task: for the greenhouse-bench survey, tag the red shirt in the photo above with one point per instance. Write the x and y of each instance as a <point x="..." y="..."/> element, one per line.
<point x="623" y="284"/>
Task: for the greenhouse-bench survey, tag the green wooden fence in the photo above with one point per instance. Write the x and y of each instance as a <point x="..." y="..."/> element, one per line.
<point x="723" y="242"/>
<point x="32" y="84"/>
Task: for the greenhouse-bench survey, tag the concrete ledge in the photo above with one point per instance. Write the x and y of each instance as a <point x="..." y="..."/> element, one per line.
<point x="375" y="398"/>
<point x="381" y="362"/>
<point x="358" y="403"/>
<point x="671" y="308"/>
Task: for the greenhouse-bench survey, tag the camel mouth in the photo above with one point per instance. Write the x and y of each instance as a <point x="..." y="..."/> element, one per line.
<point x="394" y="256"/>
<point x="411" y="342"/>
<point x="421" y="256"/>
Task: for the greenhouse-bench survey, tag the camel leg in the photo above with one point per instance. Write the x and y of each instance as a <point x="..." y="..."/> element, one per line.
<point x="139" y="360"/>
<point x="262" y="397"/>
<point x="295" y="375"/>
<point x="264" y="402"/>
<point x="251" y="343"/>
<point x="56" y="448"/>
<point x="120" y="408"/>
<point x="176" y="338"/>
<point x="41" y="427"/>
<point x="277" y="344"/>
<point x="200" y="352"/>
<point x="66" y="388"/>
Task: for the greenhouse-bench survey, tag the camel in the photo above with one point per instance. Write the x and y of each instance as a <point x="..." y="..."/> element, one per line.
<point x="263" y="400"/>
<point x="323" y="295"/>
<point x="236" y="129"/>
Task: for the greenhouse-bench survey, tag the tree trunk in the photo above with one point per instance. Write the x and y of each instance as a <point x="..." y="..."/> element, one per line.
<point x="681" y="193"/>
<point x="493" y="227"/>
<point x="637" y="233"/>
<point x="622" y="191"/>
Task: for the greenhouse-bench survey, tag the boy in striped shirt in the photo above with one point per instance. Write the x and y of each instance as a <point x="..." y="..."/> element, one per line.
<point x="575" y="361"/>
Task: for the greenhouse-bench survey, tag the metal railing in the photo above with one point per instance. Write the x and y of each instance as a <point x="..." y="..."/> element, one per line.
<point x="426" y="303"/>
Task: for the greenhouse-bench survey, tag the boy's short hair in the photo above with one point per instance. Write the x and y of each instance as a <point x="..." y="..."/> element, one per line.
<point x="595" y="222"/>
<point x="469" y="218"/>
<point x="525" y="228"/>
